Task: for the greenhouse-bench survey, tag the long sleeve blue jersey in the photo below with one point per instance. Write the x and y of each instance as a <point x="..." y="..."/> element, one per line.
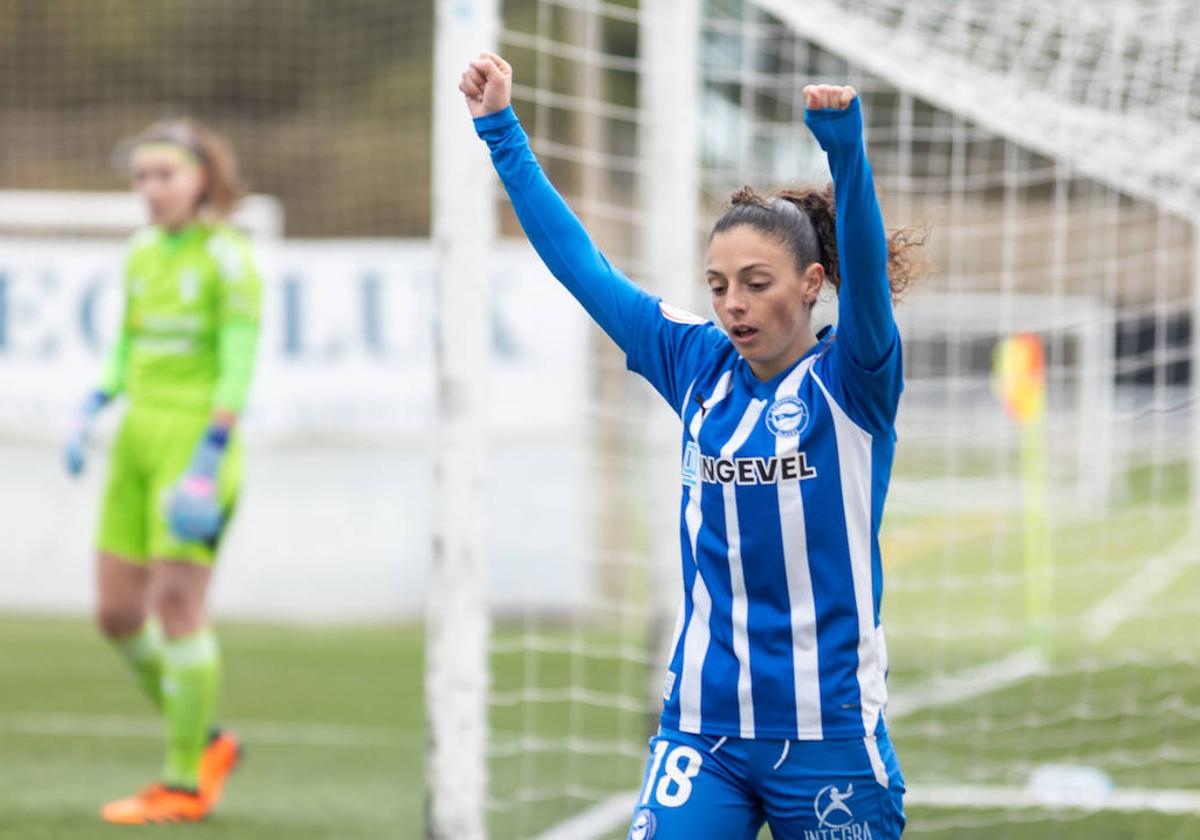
<point x="783" y="481"/>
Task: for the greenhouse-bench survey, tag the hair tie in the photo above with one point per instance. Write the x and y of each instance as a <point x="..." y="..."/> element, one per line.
<point x="786" y="206"/>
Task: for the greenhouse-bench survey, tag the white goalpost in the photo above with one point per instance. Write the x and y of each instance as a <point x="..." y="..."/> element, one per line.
<point x="464" y="229"/>
<point x="670" y="100"/>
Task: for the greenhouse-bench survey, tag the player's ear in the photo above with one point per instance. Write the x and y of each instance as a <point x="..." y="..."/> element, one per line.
<point x="203" y="178"/>
<point x="811" y="282"/>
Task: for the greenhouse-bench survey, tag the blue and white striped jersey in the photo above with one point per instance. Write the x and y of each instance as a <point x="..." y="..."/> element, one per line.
<point x="778" y="633"/>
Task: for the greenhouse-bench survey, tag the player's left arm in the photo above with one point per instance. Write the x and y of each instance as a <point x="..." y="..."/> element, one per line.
<point x="194" y="510"/>
<point x="239" y="314"/>
<point x="868" y="341"/>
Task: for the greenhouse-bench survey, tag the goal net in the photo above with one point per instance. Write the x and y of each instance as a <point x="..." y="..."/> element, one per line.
<point x="1040" y="548"/>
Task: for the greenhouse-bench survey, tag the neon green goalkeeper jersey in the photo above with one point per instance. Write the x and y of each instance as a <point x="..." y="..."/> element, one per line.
<point x="190" y="325"/>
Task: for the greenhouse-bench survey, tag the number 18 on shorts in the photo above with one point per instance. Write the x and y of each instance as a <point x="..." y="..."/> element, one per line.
<point x="698" y="787"/>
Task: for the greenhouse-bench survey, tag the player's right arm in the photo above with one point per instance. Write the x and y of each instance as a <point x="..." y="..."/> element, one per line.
<point x="658" y="346"/>
<point x="553" y="230"/>
<point x="116" y="363"/>
<point x="112" y="383"/>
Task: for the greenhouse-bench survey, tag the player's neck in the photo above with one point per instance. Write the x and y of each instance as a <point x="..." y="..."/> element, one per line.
<point x="768" y="369"/>
<point x="180" y="227"/>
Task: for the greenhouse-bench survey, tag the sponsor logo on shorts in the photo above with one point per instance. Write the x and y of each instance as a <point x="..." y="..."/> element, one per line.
<point x="835" y="819"/>
<point x="643" y="825"/>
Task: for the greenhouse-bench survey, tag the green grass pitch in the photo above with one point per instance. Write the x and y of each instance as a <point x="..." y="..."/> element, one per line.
<point x="333" y="720"/>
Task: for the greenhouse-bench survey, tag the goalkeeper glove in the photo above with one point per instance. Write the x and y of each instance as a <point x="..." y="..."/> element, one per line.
<point x="193" y="511"/>
<point x="75" y="451"/>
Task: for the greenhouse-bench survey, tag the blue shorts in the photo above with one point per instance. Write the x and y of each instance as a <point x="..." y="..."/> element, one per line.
<point x="704" y="786"/>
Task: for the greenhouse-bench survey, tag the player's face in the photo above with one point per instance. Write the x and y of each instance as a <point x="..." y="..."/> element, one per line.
<point x="170" y="183"/>
<point x="760" y="298"/>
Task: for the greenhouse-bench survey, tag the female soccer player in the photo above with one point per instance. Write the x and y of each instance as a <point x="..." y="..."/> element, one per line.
<point x="774" y="694"/>
<point x="184" y="358"/>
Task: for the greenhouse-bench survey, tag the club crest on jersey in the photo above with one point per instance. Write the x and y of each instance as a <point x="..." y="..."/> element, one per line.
<point x="189" y="285"/>
<point x="643" y="825"/>
<point x="787" y="416"/>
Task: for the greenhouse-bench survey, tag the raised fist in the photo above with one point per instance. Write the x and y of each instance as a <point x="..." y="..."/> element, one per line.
<point x="819" y="97"/>
<point x="487" y="84"/>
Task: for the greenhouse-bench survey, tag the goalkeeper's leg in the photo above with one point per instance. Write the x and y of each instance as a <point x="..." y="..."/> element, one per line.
<point x="178" y="667"/>
<point x="197" y="756"/>
<point x="190" y="679"/>
<point x="191" y="665"/>
<point x="121" y="616"/>
<point x="122" y="575"/>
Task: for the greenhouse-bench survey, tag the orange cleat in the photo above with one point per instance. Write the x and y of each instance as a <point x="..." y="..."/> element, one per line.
<point x="157" y="803"/>
<point x="221" y="757"/>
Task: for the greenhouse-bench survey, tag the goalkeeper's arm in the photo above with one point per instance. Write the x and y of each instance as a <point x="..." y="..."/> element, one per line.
<point x="194" y="512"/>
<point x="112" y="383"/>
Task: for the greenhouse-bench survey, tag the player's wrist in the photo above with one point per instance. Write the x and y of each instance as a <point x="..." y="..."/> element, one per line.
<point x="217" y="436"/>
<point x="496" y="119"/>
<point x="92" y="404"/>
<point x="86" y="415"/>
<point x="836" y="126"/>
<point x="210" y="450"/>
<point x="81" y="427"/>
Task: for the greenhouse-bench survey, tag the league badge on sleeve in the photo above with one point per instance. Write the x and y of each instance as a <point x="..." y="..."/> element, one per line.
<point x="679" y="315"/>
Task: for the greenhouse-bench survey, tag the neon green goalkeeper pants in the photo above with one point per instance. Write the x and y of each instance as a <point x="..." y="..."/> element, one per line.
<point x="152" y="450"/>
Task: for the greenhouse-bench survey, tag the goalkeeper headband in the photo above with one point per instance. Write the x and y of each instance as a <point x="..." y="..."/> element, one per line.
<point x="185" y="154"/>
<point x="174" y="134"/>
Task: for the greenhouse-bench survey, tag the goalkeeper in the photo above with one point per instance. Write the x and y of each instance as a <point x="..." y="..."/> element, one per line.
<point x="183" y="357"/>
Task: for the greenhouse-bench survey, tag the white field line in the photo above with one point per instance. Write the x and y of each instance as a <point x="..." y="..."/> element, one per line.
<point x="1140" y="589"/>
<point x="1165" y="801"/>
<point x="276" y="733"/>
<point x="596" y="821"/>
<point x="967" y="684"/>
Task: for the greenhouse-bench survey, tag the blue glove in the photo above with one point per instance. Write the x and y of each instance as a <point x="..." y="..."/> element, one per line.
<point x="75" y="451"/>
<point x="193" y="510"/>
